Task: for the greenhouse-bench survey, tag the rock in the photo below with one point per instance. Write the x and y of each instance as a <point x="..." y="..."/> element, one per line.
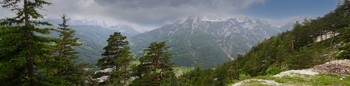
<point x="296" y="72"/>
<point x="339" y="67"/>
<point x="265" y="82"/>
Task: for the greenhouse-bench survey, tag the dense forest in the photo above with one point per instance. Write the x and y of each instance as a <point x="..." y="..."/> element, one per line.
<point x="29" y="55"/>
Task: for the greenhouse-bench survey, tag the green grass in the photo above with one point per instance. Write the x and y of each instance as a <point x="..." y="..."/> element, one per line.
<point x="318" y="80"/>
<point x="330" y="80"/>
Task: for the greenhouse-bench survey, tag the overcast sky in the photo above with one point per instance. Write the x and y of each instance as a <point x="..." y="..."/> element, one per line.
<point x="149" y="14"/>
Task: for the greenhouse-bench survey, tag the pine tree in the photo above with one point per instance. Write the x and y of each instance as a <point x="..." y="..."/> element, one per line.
<point x="301" y="35"/>
<point x="344" y="10"/>
<point x="345" y="54"/>
<point x="68" y="72"/>
<point x="155" y="65"/>
<point x="67" y="41"/>
<point x="117" y="55"/>
<point x="24" y="48"/>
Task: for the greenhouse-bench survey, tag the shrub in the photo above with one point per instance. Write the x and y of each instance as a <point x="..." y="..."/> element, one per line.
<point x="273" y="70"/>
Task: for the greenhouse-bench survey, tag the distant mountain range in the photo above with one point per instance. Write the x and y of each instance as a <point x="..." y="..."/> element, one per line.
<point x="208" y="41"/>
<point x="204" y="41"/>
<point x="94" y="38"/>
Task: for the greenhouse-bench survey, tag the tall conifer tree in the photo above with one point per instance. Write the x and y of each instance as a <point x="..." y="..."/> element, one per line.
<point x="155" y="65"/>
<point x="345" y="54"/>
<point x="24" y="49"/>
<point x="117" y="56"/>
<point x="68" y="72"/>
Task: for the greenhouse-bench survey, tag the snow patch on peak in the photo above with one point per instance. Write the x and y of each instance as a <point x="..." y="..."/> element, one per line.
<point x="242" y="19"/>
<point x="234" y="19"/>
<point x="248" y="26"/>
<point x="214" y="18"/>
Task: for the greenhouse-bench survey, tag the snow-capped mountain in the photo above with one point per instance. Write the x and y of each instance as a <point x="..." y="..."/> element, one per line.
<point x="208" y="41"/>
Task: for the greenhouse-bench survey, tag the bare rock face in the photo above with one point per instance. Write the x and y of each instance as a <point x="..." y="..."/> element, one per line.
<point x="339" y="67"/>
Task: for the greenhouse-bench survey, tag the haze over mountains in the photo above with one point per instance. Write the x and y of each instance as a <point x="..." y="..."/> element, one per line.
<point x="204" y="41"/>
<point x="94" y="36"/>
<point x="207" y="41"/>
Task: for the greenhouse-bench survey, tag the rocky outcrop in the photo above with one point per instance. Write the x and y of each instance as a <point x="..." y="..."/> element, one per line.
<point x="296" y="72"/>
<point x="339" y="67"/>
<point x="264" y="82"/>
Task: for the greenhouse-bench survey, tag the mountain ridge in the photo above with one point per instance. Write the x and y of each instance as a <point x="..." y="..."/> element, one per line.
<point x="207" y="42"/>
<point x="93" y="38"/>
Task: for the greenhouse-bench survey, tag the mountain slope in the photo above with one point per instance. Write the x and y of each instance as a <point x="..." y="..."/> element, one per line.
<point x="206" y="41"/>
<point x="310" y="43"/>
<point x="94" y="38"/>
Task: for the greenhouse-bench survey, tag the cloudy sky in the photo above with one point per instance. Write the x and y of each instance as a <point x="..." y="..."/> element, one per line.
<point x="149" y="14"/>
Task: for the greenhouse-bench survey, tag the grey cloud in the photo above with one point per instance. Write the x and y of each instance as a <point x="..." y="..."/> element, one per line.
<point x="147" y="3"/>
<point x="160" y="11"/>
<point x="146" y="12"/>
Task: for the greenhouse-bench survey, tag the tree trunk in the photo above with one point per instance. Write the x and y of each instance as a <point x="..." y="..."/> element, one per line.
<point x="155" y="71"/>
<point x="125" y="73"/>
<point x="155" y="64"/>
<point x="332" y="36"/>
<point x="28" y="35"/>
<point x="293" y="40"/>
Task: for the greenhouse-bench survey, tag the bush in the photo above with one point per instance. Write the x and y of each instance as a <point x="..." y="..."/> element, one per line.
<point x="273" y="70"/>
<point x="243" y="76"/>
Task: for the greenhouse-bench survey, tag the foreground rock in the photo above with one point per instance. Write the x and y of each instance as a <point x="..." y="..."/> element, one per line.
<point x="339" y="67"/>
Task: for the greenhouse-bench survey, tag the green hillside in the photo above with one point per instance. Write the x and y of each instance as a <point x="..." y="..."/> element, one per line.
<point x="303" y="47"/>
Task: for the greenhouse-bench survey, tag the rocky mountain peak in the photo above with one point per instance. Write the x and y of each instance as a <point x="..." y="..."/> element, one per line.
<point x="222" y="38"/>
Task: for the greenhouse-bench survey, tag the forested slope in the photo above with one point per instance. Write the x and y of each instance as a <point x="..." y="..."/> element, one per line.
<point x="310" y="43"/>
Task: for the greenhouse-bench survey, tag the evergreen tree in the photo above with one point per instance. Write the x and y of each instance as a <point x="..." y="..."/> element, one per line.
<point x="67" y="42"/>
<point x="344" y="11"/>
<point x="68" y="72"/>
<point x="25" y="50"/>
<point x="117" y="55"/>
<point x="155" y="65"/>
<point x="301" y="35"/>
<point x="345" y="54"/>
